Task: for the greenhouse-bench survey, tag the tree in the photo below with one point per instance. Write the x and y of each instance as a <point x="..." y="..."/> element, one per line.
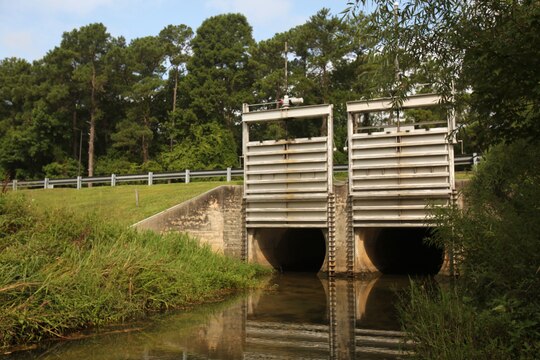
<point x="145" y="58"/>
<point x="177" y="41"/>
<point x="487" y="49"/>
<point x="219" y="78"/>
<point x="88" y="47"/>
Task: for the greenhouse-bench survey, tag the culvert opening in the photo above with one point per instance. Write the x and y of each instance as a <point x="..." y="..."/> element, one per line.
<point x="404" y="251"/>
<point x="298" y="250"/>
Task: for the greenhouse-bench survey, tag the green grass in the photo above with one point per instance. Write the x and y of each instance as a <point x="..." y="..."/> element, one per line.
<point x="464" y="175"/>
<point x="62" y="271"/>
<point x="118" y="203"/>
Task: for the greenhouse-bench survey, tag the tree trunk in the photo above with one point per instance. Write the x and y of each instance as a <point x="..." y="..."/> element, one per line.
<point x="92" y="134"/>
<point x="145" y="143"/>
<point x="174" y="103"/>
<point x="74" y="135"/>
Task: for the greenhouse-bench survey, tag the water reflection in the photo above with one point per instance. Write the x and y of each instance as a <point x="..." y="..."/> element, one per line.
<point x="299" y="317"/>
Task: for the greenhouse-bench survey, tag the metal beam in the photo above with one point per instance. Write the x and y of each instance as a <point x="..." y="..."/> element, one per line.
<point x="287" y="113"/>
<point x="382" y="104"/>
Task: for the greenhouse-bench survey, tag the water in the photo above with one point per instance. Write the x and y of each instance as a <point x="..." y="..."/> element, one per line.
<point x="298" y="317"/>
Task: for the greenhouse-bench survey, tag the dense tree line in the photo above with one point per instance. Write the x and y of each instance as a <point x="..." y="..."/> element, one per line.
<point x="96" y="104"/>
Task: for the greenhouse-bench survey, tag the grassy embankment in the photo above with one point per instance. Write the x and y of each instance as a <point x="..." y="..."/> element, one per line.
<point x="62" y="271"/>
<point x="118" y="203"/>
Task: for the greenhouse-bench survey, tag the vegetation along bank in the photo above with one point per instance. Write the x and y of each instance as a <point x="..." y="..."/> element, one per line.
<point x="61" y="272"/>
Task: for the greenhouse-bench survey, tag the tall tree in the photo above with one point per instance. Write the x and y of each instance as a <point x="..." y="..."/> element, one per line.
<point x="219" y="76"/>
<point x="88" y="46"/>
<point x="177" y="39"/>
<point x="145" y="58"/>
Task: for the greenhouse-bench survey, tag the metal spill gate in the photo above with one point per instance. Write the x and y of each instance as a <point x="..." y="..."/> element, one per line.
<point x="287" y="182"/>
<point x="396" y="172"/>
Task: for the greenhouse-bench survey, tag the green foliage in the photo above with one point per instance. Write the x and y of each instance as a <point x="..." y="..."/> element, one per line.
<point x="60" y="272"/>
<point x="444" y="325"/>
<point x="108" y="165"/>
<point x="67" y="169"/>
<point x="220" y="78"/>
<point x="486" y="50"/>
<point x="209" y="146"/>
<point x="495" y="309"/>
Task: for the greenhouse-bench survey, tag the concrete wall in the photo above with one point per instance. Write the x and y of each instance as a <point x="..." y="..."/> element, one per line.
<point x="214" y="217"/>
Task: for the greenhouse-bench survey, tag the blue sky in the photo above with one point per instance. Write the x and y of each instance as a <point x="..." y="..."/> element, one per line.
<point x="30" y="28"/>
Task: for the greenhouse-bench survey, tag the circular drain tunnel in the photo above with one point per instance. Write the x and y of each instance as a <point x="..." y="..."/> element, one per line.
<point x="403" y="251"/>
<point x="301" y="250"/>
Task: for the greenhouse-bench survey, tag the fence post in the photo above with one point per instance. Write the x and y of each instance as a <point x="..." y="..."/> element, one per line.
<point x="150" y="178"/>
<point x="14" y="185"/>
<point x="187" y="176"/>
<point x="113" y="179"/>
<point x="46" y="183"/>
<point x="79" y="182"/>
<point x="475" y="158"/>
<point x="229" y="174"/>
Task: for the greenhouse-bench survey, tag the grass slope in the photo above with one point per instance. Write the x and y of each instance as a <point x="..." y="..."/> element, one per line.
<point x="118" y="204"/>
<point x="61" y="272"/>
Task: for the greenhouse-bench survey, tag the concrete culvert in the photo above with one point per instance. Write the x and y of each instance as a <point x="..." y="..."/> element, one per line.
<point x="301" y="250"/>
<point x="403" y="251"/>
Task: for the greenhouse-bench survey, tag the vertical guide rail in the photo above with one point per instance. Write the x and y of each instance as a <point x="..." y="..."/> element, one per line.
<point x="350" y="237"/>
<point x="332" y="318"/>
<point x="331" y="234"/>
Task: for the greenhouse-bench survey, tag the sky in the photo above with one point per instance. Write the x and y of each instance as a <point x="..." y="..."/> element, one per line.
<point x="30" y="28"/>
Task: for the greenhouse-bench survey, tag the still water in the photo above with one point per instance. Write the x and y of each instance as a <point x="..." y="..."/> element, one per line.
<point x="299" y="316"/>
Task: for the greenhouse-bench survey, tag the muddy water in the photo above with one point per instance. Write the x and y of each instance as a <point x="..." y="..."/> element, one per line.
<point x="300" y="316"/>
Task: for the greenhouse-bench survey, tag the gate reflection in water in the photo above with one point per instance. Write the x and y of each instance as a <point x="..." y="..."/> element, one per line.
<point x="299" y="317"/>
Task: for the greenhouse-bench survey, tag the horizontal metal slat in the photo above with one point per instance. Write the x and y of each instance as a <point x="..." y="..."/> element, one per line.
<point x="399" y="166"/>
<point x="401" y="144"/>
<point x="402" y="186"/>
<point x="285" y="161"/>
<point x="286" y="191"/>
<point x="397" y="194"/>
<point x="392" y="224"/>
<point x="287" y="210"/>
<point x="286" y="181"/>
<point x="286" y="152"/>
<point x="286" y="171"/>
<point x="289" y="219"/>
<point x="392" y="218"/>
<point x="401" y="176"/>
<point x="317" y="225"/>
<point x="303" y="197"/>
<point x="399" y="155"/>
<point x="388" y="207"/>
<point x="386" y="134"/>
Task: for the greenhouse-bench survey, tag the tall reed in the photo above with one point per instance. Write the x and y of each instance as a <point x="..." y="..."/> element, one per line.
<point x="60" y="272"/>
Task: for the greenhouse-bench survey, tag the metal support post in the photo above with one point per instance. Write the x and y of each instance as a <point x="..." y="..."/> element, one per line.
<point x="46" y="183"/>
<point x="150" y="178"/>
<point x="14" y="185"/>
<point x="113" y="179"/>
<point x="79" y="182"/>
<point x="187" y="176"/>
<point x="229" y="174"/>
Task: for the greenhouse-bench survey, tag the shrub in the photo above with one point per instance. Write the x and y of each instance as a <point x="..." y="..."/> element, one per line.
<point x="497" y="244"/>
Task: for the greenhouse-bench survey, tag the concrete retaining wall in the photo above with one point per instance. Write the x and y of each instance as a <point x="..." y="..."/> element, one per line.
<point x="214" y="217"/>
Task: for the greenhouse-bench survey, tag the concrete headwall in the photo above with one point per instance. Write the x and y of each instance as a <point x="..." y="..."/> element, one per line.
<point x="214" y="217"/>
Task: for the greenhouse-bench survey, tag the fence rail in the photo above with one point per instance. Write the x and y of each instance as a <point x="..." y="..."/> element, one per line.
<point x="186" y="176"/>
